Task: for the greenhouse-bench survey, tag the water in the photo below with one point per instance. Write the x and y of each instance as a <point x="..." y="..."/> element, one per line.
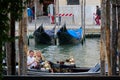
<point x="86" y="55"/>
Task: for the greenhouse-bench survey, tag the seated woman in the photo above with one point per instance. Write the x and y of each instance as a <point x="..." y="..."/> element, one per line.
<point x="39" y="59"/>
<point x="41" y="62"/>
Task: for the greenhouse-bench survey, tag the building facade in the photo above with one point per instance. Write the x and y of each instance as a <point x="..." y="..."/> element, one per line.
<point x="64" y="7"/>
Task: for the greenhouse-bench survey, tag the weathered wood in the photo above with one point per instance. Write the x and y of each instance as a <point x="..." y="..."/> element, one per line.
<point x="82" y="15"/>
<point x="1" y="58"/>
<point x="84" y="6"/>
<point x="102" y="57"/>
<point x="108" y="37"/>
<point x="10" y="47"/>
<point x="102" y="39"/>
<point x="20" y="48"/>
<point x="13" y="54"/>
<point x="114" y="38"/>
<point x="23" y="44"/>
<point x="8" y="58"/>
<point x="8" y="53"/>
<point x="56" y="6"/>
<point x="118" y="2"/>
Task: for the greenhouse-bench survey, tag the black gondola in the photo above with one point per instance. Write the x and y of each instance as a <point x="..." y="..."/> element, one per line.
<point x="43" y="36"/>
<point x="68" y="70"/>
<point x="58" y="68"/>
<point x="69" y="36"/>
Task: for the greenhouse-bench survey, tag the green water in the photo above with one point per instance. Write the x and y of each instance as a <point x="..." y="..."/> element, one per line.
<point x="86" y="55"/>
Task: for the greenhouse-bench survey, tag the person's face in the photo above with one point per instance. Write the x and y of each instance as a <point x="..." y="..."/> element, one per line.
<point x="31" y="54"/>
<point x="38" y="54"/>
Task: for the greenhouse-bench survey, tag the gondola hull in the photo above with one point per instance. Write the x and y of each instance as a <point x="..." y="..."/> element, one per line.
<point x="56" y="69"/>
<point x="59" y="70"/>
<point x="69" y="36"/>
<point x="44" y="36"/>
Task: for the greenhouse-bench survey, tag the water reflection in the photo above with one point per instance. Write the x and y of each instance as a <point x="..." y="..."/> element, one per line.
<point x="86" y="55"/>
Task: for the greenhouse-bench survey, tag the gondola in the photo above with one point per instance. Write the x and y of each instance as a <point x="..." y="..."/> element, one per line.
<point x="43" y="36"/>
<point x="57" y="68"/>
<point x="69" y="36"/>
<point x="69" y="71"/>
<point x="61" y="69"/>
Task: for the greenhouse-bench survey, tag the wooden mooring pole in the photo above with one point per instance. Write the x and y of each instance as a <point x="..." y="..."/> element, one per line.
<point x="102" y="52"/>
<point x="23" y="44"/>
<point x="102" y="39"/>
<point x="108" y="37"/>
<point x="114" y="38"/>
<point x="118" y="56"/>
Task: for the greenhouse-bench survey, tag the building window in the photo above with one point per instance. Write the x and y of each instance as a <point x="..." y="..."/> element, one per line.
<point x="73" y="2"/>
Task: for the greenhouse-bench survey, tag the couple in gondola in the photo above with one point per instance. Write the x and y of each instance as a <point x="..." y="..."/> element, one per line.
<point x="35" y="60"/>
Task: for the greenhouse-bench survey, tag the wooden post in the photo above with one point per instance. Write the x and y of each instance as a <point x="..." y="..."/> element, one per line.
<point x="23" y="44"/>
<point x="8" y="53"/>
<point x="13" y="54"/>
<point x="35" y="6"/>
<point x="102" y="39"/>
<point x="1" y="58"/>
<point x="81" y="13"/>
<point x="8" y="58"/>
<point x="118" y="57"/>
<point x="114" y="38"/>
<point x="56" y="6"/>
<point x="82" y="17"/>
<point x="10" y="47"/>
<point x="102" y="57"/>
<point x="108" y="37"/>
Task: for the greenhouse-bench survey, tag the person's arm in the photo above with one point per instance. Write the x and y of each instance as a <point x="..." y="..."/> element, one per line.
<point x="28" y="63"/>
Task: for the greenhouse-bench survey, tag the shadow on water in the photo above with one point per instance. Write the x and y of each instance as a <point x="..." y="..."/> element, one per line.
<point x="84" y="55"/>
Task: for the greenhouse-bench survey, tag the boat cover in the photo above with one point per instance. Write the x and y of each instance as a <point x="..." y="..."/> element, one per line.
<point x="75" y="33"/>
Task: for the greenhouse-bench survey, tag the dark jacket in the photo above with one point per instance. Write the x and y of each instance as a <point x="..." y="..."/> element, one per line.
<point x="98" y="12"/>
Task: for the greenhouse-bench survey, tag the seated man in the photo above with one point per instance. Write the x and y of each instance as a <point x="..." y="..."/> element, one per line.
<point x="31" y="62"/>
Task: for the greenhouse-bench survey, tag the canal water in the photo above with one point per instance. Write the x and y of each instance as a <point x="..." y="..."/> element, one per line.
<point x="86" y="55"/>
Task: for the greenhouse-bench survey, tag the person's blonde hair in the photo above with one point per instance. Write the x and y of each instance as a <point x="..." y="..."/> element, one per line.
<point x="40" y="54"/>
